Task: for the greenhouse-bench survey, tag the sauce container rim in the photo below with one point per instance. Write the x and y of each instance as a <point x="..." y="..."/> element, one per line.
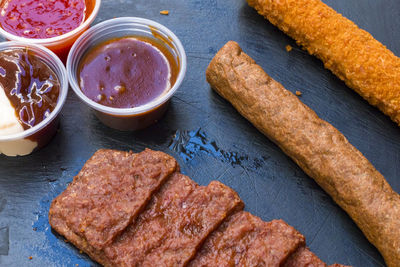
<point x="61" y="73"/>
<point x="46" y="41"/>
<point x="135" y="110"/>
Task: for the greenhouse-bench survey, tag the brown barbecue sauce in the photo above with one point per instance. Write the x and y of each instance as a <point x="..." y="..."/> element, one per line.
<point x="31" y="86"/>
<point x="127" y="72"/>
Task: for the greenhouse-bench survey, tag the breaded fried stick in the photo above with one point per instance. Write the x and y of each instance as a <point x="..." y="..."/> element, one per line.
<point x="315" y="145"/>
<point x="351" y="53"/>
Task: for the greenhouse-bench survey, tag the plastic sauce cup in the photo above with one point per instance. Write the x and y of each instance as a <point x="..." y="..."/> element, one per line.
<point x="127" y="118"/>
<point x="59" y="44"/>
<point x="26" y="142"/>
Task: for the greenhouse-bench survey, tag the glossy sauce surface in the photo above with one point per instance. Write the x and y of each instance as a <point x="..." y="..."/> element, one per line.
<point x="31" y="86"/>
<point x="41" y="18"/>
<point x="127" y="72"/>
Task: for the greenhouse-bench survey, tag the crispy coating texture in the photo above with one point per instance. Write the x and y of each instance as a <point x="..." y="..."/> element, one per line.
<point x="315" y="145"/>
<point x="107" y="195"/>
<point x="351" y="53"/>
<point x="246" y="240"/>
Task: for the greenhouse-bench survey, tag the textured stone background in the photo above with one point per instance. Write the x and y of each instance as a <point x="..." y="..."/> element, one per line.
<point x="210" y="139"/>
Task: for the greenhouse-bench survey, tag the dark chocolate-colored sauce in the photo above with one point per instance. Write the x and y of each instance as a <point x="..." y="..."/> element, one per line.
<point x="31" y="85"/>
<point x="127" y="72"/>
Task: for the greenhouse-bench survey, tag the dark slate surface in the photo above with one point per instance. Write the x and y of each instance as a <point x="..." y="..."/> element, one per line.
<point x="210" y="139"/>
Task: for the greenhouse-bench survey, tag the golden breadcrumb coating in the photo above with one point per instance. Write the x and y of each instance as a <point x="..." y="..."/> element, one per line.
<point x="351" y="53"/>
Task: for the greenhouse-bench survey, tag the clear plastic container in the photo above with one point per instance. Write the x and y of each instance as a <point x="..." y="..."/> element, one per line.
<point x="26" y="142"/>
<point x="60" y="44"/>
<point x="126" y="118"/>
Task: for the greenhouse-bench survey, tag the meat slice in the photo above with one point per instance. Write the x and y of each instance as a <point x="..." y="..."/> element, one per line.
<point x="107" y="195"/>
<point x="303" y="257"/>
<point x="315" y="145"/>
<point x="126" y="209"/>
<point x="246" y="240"/>
<point x="174" y="225"/>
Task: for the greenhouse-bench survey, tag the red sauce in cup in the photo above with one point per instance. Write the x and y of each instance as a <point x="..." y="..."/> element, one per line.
<point x="41" y="18"/>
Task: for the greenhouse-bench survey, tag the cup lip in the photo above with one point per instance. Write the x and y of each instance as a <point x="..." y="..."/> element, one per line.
<point x="63" y="88"/>
<point x="142" y="108"/>
<point x="56" y="39"/>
